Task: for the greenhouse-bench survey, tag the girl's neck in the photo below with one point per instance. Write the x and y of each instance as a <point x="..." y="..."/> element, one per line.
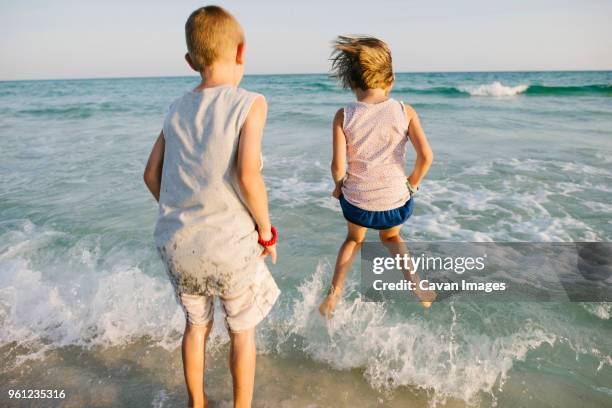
<point x="374" y="95"/>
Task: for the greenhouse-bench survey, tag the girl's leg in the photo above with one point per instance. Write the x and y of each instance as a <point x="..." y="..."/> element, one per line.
<point x="193" y="351"/>
<point x="242" y="366"/>
<point x="393" y="241"/>
<point x="346" y="255"/>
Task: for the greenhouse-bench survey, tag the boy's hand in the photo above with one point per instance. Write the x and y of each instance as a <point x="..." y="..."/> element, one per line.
<point x="271" y="250"/>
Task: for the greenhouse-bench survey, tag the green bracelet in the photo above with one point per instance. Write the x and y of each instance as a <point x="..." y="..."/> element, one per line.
<point x="411" y="188"/>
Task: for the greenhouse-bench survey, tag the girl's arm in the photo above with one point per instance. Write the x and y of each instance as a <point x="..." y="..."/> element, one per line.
<point x="153" y="171"/>
<point x="250" y="179"/>
<point x="338" y="164"/>
<point x="424" y="155"/>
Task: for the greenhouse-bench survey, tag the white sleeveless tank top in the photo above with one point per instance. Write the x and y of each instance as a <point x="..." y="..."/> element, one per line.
<point x="376" y="140"/>
<point x="204" y="232"/>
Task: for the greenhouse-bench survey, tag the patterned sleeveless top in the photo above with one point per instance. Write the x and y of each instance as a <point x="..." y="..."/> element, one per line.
<point x="376" y="139"/>
<point x="204" y="232"/>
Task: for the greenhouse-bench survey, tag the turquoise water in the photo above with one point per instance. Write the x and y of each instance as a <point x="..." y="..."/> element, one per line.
<point x="518" y="157"/>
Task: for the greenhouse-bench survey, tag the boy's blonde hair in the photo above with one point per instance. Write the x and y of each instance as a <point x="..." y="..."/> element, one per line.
<point x="362" y="62"/>
<point x="212" y="33"/>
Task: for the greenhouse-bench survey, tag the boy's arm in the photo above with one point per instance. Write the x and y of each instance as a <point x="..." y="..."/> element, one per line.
<point x="153" y="171"/>
<point x="338" y="164"/>
<point x="424" y="155"/>
<point x="250" y="179"/>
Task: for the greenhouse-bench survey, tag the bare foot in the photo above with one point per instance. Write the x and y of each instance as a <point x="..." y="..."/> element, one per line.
<point x="427" y="297"/>
<point x="191" y="404"/>
<point x="328" y="305"/>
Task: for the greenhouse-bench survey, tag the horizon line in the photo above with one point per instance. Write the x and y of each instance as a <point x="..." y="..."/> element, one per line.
<point x="298" y="73"/>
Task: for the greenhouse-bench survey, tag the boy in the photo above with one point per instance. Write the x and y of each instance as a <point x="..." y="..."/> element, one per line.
<point x="213" y="229"/>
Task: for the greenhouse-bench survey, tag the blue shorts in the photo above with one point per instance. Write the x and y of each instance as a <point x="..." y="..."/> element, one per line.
<point x="376" y="219"/>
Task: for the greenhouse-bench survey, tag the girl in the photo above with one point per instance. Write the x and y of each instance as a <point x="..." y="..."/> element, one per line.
<point x="371" y="136"/>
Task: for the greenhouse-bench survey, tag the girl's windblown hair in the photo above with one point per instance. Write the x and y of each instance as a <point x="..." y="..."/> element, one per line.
<point x="362" y="62"/>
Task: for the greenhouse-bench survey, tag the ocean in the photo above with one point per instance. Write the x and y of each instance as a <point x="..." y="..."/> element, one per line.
<point x="86" y="307"/>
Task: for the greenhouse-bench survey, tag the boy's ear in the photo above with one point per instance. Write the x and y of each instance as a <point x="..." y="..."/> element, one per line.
<point x="190" y="62"/>
<point x="240" y="54"/>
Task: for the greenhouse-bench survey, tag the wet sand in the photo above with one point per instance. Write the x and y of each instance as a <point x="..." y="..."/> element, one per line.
<point x="142" y="374"/>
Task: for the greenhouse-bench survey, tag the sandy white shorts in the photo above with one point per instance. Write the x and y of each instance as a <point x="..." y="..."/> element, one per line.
<point x="243" y="310"/>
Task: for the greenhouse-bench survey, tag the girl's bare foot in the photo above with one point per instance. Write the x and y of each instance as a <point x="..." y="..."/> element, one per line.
<point x="427" y="297"/>
<point x="328" y="305"/>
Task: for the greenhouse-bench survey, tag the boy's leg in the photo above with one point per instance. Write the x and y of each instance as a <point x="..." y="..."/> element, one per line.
<point x="199" y="315"/>
<point x="346" y="255"/>
<point x="244" y="310"/>
<point x="393" y="241"/>
<point x="242" y="365"/>
<point x="193" y="352"/>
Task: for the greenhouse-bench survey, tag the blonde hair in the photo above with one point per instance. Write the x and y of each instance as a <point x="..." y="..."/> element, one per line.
<point x="211" y="33"/>
<point x="362" y="62"/>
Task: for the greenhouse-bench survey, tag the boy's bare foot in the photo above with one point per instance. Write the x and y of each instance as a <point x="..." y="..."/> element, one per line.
<point x="202" y="404"/>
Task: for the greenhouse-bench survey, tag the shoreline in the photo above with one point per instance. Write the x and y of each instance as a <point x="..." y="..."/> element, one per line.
<point x="142" y="373"/>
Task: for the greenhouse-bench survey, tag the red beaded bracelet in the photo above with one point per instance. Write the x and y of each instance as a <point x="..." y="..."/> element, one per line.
<point x="269" y="242"/>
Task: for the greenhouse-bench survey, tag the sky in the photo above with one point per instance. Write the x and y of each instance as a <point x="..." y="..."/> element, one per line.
<point x="89" y="39"/>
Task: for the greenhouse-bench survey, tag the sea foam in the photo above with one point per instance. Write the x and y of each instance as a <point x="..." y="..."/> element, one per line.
<point x="442" y="352"/>
<point x="441" y="355"/>
<point x="494" y="89"/>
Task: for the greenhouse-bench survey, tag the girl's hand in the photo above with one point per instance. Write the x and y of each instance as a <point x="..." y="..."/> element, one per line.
<point x="412" y="180"/>
<point x="337" y="192"/>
